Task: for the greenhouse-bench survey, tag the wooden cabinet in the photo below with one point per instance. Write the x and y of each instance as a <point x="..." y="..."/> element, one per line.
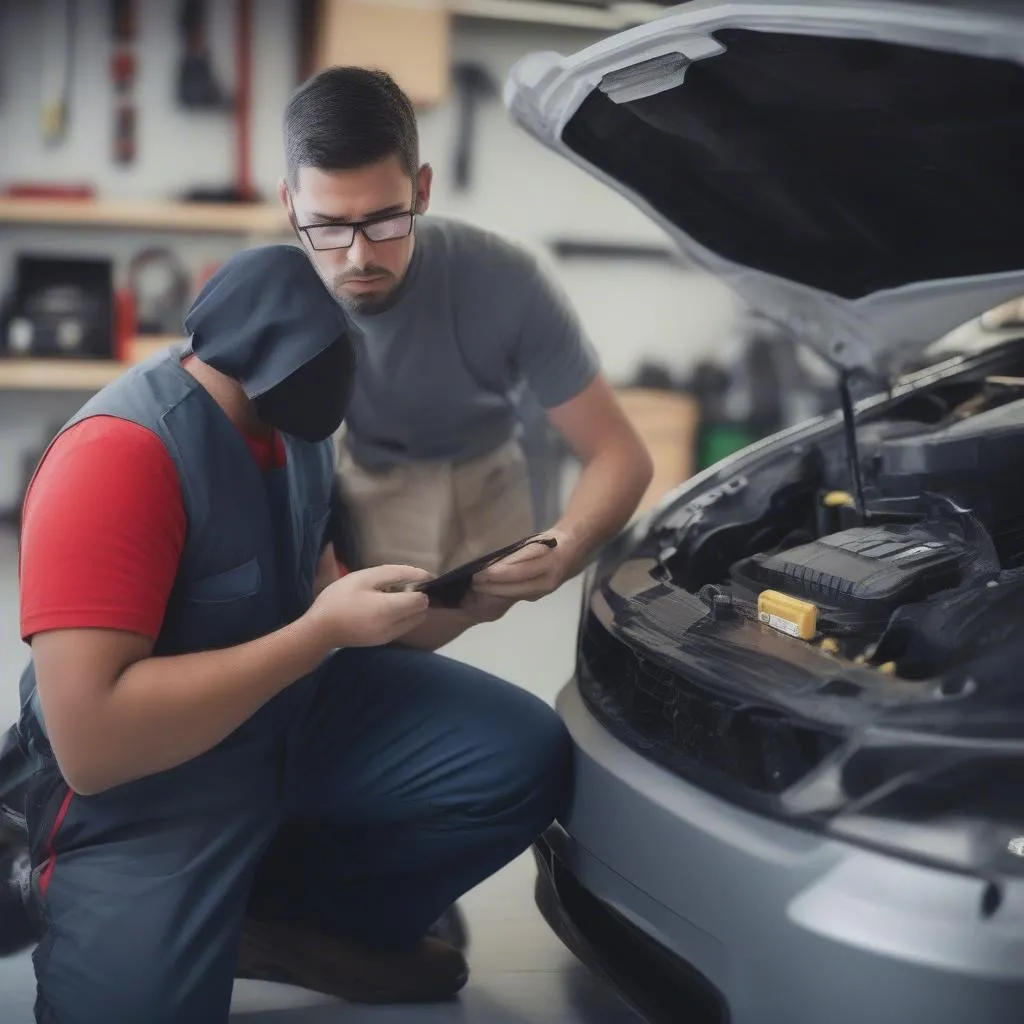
<point x="668" y="424"/>
<point x="409" y="40"/>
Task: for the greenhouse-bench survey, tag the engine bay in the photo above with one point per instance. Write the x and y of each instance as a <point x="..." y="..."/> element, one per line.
<point x="907" y="557"/>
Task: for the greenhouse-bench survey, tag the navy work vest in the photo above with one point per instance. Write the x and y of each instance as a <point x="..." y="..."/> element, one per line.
<point x="253" y="537"/>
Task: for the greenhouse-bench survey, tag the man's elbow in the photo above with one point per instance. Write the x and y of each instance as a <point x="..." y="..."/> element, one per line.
<point x="644" y="466"/>
<point x="637" y="457"/>
<point x="86" y="787"/>
<point x="83" y="762"/>
<point x="83" y="778"/>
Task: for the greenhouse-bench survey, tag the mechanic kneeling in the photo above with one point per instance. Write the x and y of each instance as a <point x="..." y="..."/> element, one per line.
<point x="237" y="770"/>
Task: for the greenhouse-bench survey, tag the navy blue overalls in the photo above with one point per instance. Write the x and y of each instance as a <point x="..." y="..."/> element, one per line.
<point x="363" y="800"/>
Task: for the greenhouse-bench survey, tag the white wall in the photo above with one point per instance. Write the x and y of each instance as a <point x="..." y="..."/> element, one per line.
<point x="634" y="310"/>
<point x="176" y="148"/>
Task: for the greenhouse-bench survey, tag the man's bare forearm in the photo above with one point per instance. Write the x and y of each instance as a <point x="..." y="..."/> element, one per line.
<point x="604" y="499"/>
<point x="163" y="711"/>
<point x="441" y="627"/>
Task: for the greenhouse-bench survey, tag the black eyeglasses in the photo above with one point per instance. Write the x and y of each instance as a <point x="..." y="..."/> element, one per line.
<point x="388" y="228"/>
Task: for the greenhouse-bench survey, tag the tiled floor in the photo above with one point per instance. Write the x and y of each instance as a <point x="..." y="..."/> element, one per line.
<point x="520" y="973"/>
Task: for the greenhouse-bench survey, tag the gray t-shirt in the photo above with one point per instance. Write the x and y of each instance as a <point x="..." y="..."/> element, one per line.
<point x="475" y="318"/>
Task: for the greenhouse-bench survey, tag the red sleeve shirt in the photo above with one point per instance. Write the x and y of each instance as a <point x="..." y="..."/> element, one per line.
<point x="103" y="528"/>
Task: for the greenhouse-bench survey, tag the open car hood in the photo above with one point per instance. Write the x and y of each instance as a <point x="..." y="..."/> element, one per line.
<point x="851" y="169"/>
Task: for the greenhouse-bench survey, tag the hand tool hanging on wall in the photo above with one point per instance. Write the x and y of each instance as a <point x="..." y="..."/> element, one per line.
<point x="243" y="102"/>
<point x="198" y="87"/>
<point x="473" y="83"/>
<point x="307" y="32"/>
<point x="242" y="190"/>
<point x="122" y="70"/>
<point x="58" y="65"/>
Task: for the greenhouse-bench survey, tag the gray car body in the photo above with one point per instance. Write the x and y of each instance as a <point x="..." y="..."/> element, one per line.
<point x="789" y="926"/>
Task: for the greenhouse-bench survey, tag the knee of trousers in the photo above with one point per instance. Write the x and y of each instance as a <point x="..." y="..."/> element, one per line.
<point x="536" y="772"/>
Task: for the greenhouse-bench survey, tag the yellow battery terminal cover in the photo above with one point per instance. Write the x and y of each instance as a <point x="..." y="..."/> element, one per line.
<point x="837" y="499"/>
<point x="787" y="614"/>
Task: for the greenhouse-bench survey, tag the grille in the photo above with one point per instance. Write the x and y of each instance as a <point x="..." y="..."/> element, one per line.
<point x="688" y="729"/>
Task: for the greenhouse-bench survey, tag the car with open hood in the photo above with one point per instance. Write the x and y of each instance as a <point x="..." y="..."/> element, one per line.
<point x="798" y="706"/>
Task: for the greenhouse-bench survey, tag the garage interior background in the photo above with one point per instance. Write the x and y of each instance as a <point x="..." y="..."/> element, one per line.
<point x="637" y="309"/>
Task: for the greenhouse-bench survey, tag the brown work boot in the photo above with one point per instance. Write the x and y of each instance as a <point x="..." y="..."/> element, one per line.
<point x="433" y="972"/>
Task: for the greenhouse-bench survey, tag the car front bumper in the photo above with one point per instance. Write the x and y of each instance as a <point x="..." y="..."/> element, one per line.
<point x="698" y="910"/>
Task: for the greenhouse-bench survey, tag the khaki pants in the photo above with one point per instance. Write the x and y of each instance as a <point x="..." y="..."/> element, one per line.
<point x="437" y="515"/>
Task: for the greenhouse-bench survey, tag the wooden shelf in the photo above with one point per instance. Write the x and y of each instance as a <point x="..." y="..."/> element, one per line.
<point x="74" y="374"/>
<point x="205" y="218"/>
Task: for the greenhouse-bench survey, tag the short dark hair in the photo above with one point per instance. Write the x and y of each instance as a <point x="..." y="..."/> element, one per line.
<point x="348" y="117"/>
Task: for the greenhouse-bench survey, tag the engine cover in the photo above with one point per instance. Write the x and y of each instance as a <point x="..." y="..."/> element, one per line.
<point x="859" y="577"/>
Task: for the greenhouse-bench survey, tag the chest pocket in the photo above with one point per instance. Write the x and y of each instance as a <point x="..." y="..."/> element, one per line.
<point x="221" y="609"/>
<point x="234" y="584"/>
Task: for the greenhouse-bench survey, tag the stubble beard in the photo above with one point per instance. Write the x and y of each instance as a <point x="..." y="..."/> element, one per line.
<point x="368" y="303"/>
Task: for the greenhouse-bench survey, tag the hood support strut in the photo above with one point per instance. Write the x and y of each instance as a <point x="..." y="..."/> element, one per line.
<point x="852" y="454"/>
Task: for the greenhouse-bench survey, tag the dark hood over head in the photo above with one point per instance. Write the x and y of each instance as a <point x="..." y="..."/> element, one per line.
<point x="263" y="316"/>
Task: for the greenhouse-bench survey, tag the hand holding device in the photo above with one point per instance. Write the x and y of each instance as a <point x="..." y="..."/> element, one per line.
<point x="366" y="609"/>
<point x="450" y="589"/>
<point x="528" y="574"/>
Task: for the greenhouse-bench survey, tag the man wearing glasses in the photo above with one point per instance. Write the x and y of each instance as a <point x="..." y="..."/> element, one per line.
<point x="453" y="320"/>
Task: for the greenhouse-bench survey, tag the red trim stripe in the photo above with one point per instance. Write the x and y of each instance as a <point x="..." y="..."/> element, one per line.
<point x="51" y="853"/>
